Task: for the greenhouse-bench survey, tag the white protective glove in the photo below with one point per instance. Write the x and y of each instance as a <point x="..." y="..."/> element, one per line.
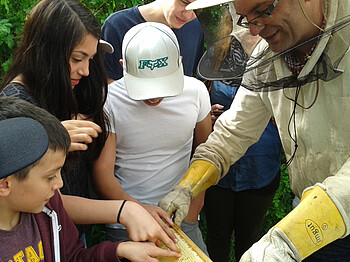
<point x="273" y="246"/>
<point x="200" y="175"/>
<point x="177" y="202"/>
<point x="313" y="224"/>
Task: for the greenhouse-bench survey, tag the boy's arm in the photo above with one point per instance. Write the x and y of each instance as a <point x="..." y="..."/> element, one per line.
<point x="72" y="249"/>
<point x="107" y="186"/>
<point x="201" y="133"/>
<point x="140" y="225"/>
<point x="105" y="183"/>
<point x="136" y="251"/>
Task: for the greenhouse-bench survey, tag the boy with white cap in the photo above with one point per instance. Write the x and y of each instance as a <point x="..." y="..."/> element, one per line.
<point x="157" y="117"/>
<point x="172" y="13"/>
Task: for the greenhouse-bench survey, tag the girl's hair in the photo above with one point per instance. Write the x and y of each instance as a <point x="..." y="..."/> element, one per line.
<point x="224" y="29"/>
<point x="54" y="28"/>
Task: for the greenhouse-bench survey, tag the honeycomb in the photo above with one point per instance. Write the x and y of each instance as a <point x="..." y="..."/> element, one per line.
<point x="189" y="251"/>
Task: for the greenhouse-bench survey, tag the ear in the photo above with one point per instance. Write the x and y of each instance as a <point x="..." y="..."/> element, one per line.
<point x="121" y="62"/>
<point x="5" y="186"/>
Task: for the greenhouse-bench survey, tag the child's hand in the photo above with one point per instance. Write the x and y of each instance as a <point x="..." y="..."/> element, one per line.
<point x="163" y="220"/>
<point x="141" y="226"/>
<point x="216" y="111"/>
<point x="81" y="133"/>
<point x="143" y="252"/>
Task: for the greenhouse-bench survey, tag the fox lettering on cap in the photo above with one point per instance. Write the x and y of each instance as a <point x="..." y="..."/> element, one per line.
<point x="151" y="64"/>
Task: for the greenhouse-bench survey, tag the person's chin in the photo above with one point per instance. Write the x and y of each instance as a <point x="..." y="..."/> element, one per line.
<point x="273" y="39"/>
<point x="36" y="210"/>
<point x="177" y="26"/>
<point x="276" y="43"/>
<point x="41" y="207"/>
<point x="179" y="23"/>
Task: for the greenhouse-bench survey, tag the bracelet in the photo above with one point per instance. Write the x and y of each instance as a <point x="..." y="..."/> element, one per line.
<point x="120" y="210"/>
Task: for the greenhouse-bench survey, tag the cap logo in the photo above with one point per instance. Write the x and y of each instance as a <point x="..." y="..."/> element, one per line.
<point x="151" y="64"/>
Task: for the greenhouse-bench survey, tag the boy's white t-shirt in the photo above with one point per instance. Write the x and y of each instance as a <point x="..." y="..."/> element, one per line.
<point x="154" y="143"/>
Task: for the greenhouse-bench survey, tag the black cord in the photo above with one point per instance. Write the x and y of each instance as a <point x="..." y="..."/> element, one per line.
<point x="292" y="119"/>
<point x="120" y="210"/>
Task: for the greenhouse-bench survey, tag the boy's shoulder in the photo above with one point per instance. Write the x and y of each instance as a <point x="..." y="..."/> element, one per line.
<point x="126" y="16"/>
<point x="194" y="83"/>
<point x="25" y="236"/>
<point x="195" y="89"/>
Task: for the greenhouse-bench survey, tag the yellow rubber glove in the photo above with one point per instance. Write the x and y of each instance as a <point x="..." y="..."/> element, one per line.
<point x="314" y="223"/>
<point x="200" y="176"/>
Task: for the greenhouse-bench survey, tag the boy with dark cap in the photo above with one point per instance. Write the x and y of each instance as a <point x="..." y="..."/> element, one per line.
<point x="33" y="222"/>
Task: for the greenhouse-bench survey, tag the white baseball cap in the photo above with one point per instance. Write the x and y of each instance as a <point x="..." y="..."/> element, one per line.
<point x="198" y="4"/>
<point x="105" y="46"/>
<point x="151" y="62"/>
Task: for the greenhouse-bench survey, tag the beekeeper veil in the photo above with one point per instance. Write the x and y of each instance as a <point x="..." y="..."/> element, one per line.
<point x="229" y="49"/>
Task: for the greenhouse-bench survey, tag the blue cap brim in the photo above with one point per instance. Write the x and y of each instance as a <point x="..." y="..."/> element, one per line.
<point x="23" y="141"/>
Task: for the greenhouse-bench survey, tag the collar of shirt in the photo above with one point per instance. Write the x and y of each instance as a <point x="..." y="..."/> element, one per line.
<point x="294" y="64"/>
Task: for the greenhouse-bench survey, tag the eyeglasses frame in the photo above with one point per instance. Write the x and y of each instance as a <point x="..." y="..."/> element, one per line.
<point x="267" y="13"/>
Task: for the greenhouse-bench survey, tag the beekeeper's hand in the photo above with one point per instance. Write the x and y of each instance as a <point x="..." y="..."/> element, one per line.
<point x="200" y="175"/>
<point x="314" y="223"/>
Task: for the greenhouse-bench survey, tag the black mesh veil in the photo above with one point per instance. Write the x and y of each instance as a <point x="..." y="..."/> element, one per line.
<point x="262" y="70"/>
<point x="259" y="68"/>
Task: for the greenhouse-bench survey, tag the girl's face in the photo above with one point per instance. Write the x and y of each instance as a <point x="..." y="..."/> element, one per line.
<point x="80" y="58"/>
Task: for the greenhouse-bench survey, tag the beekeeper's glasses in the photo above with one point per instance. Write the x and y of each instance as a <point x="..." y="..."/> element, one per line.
<point x="243" y="21"/>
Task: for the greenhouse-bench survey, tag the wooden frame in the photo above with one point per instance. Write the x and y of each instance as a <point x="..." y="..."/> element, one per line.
<point x="192" y="246"/>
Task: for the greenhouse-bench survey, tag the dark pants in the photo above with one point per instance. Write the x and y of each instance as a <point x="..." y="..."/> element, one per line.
<point x="337" y="251"/>
<point x="242" y="212"/>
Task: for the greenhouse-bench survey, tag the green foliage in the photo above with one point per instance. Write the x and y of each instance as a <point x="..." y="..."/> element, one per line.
<point x="6" y="42"/>
<point x="281" y="204"/>
<point x="103" y="8"/>
<point x="210" y="20"/>
<point x="13" y="14"/>
<point x="97" y="235"/>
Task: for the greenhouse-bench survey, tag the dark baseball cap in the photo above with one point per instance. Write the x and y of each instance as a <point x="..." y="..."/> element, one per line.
<point x="23" y="141"/>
